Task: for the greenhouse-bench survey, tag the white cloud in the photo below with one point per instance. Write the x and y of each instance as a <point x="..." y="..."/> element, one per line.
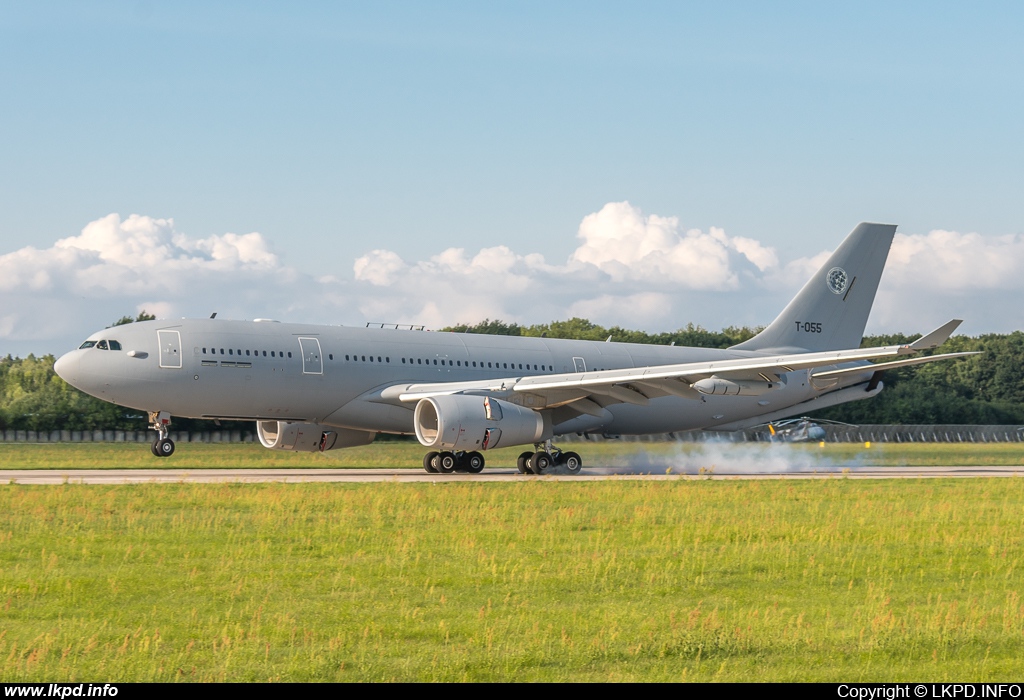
<point x="115" y="265"/>
<point x="629" y="268"/>
<point x="939" y="275"/>
<point x="620" y="241"/>
<point x="958" y="261"/>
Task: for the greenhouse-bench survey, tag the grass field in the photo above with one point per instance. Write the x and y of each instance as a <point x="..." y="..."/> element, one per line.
<point x="657" y="456"/>
<point x="693" y="579"/>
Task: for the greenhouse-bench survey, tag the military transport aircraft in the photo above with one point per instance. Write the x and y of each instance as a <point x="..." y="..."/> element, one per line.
<point x="312" y="388"/>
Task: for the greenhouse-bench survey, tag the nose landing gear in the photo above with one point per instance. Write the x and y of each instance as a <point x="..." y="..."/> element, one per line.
<point x="160" y="421"/>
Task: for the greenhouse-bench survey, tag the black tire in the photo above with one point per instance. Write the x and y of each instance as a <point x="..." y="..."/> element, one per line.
<point x="165" y="447"/>
<point x="540" y="463"/>
<point x="572" y="462"/>
<point x="428" y="462"/>
<point x="152" y="448"/>
<point x="474" y="462"/>
<point x="522" y="464"/>
<point x="446" y="462"/>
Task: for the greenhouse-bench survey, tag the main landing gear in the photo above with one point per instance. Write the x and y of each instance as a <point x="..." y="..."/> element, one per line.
<point x="160" y="421"/>
<point x="448" y="462"/>
<point x="548" y="459"/>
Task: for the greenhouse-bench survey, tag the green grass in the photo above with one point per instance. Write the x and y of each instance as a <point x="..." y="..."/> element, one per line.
<point x="691" y="579"/>
<point x="403" y="454"/>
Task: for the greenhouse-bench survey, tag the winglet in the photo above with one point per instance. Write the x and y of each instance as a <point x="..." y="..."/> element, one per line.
<point x="937" y="337"/>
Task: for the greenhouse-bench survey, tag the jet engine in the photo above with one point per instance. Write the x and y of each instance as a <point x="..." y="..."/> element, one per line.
<point x="308" y="437"/>
<point x="464" y="422"/>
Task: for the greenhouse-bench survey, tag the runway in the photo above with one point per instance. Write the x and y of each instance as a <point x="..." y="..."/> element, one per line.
<point x="248" y="476"/>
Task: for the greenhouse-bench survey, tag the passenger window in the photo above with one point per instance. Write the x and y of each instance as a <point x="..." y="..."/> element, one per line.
<point x="419" y="361"/>
<point x="272" y="353"/>
<point x="520" y="366"/>
<point x="264" y="353"/>
<point x="506" y="365"/>
<point x="246" y="353"/>
<point x="102" y="345"/>
<point x="488" y="364"/>
<point x="289" y="355"/>
<point x="204" y="351"/>
<point x="87" y="344"/>
<point x="371" y="358"/>
<point x="346" y="358"/>
<point x="442" y="363"/>
<point x="403" y="360"/>
<point x="230" y="351"/>
<point x="364" y="358"/>
<point x="331" y="356"/>
<point x="387" y="359"/>
<point x="435" y="362"/>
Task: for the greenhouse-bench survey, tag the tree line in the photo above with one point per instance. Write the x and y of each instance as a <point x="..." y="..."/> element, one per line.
<point x="983" y="389"/>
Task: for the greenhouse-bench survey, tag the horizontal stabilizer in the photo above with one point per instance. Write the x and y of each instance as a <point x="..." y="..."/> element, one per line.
<point x="883" y="366"/>
<point x="937" y="337"/>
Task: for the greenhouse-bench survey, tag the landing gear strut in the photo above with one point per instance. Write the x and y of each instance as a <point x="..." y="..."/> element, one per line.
<point x="160" y="421"/>
<point x="448" y="462"/>
<point x="547" y="458"/>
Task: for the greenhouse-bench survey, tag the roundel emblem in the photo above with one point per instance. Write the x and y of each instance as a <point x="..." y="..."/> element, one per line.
<point x="836" y="280"/>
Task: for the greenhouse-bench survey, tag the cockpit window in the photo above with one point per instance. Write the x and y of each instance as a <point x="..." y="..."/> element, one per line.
<point x="102" y="345"/>
<point x="87" y="344"/>
<point x="114" y="345"/>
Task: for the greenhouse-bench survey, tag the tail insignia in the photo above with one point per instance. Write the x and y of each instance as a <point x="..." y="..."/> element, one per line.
<point x="836" y="280"/>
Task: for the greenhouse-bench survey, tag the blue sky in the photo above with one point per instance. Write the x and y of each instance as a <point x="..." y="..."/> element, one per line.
<point x="334" y="130"/>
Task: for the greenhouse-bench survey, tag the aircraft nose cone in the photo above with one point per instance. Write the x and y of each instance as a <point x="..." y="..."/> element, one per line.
<point x="66" y="366"/>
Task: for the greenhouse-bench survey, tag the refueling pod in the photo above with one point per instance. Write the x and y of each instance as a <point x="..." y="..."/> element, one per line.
<point x="308" y="437"/>
<point x="717" y="386"/>
<point x="465" y="422"/>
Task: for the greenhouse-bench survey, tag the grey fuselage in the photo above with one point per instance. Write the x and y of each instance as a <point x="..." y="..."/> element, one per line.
<point x="333" y="375"/>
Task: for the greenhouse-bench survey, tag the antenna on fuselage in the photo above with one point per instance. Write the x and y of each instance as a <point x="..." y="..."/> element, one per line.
<point x="213" y="315"/>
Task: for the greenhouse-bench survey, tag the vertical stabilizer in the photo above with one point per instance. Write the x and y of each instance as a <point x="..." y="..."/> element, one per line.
<point x="830" y="312"/>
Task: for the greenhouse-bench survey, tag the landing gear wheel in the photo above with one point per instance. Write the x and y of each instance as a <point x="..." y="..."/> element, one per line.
<point x="152" y="448"/>
<point x="572" y="462"/>
<point x="541" y="462"/>
<point x="428" y="462"/>
<point x="523" y="463"/>
<point x="446" y="462"/>
<point x="474" y="462"/>
<point x="164" y="448"/>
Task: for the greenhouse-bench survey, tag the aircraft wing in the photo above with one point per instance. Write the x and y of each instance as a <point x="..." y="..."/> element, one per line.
<point x="590" y="391"/>
<point x="883" y="366"/>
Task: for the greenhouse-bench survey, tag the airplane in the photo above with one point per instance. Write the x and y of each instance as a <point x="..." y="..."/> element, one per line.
<point x="801" y="429"/>
<point x="318" y="388"/>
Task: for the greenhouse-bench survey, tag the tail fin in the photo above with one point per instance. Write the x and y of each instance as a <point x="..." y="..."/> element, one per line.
<point x="830" y="312"/>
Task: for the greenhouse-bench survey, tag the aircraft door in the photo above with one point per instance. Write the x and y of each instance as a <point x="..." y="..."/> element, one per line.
<point x="170" y="349"/>
<point x="312" y="360"/>
<point x="580" y="364"/>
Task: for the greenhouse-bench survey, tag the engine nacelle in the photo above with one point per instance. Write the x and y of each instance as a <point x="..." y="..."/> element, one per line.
<point x="464" y="422"/>
<point x="308" y="437"/>
<point x="716" y="386"/>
